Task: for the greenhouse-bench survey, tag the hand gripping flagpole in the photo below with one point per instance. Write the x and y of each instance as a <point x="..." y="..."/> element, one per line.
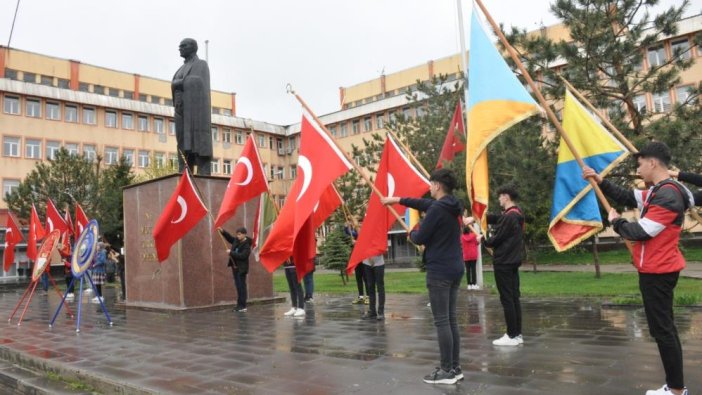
<point x="355" y="165"/>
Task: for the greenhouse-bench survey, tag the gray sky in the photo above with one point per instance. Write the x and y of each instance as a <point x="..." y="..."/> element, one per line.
<point x="256" y="47"/>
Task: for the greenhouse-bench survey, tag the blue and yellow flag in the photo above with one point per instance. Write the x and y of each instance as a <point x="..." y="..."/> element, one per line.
<point x="575" y="215"/>
<point x="496" y="101"/>
<point x="411" y="217"/>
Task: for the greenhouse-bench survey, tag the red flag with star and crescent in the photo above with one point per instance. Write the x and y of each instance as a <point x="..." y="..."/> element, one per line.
<point x="54" y="220"/>
<point x="248" y="180"/>
<point x="396" y="176"/>
<point x="12" y="237"/>
<point x="36" y="233"/>
<point x="182" y="212"/>
<point x="453" y="143"/>
<point x="320" y="162"/>
<point x="81" y="220"/>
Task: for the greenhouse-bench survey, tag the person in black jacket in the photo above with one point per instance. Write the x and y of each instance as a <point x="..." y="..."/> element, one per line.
<point x="440" y="233"/>
<point x="507" y="241"/>
<point x="239" y="262"/>
<point x="690" y="178"/>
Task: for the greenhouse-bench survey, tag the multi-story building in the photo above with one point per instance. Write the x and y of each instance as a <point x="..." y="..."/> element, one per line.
<point x="49" y="102"/>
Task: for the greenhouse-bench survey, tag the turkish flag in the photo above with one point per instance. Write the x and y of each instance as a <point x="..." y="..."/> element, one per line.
<point x="247" y="181"/>
<point x="70" y="230"/>
<point x="453" y="143"/>
<point x="54" y="220"/>
<point x="396" y="176"/>
<point x="13" y="235"/>
<point x="305" y="249"/>
<point x="36" y="233"/>
<point x="182" y="212"/>
<point x="320" y="162"/>
<point x="328" y="203"/>
<point x="81" y="220"/>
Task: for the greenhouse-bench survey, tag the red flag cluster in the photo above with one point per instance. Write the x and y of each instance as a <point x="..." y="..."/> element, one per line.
<point x="453" y="143"/>
<point x="12" y="237"/>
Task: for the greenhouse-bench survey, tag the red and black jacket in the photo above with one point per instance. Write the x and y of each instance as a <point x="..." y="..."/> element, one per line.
<point x="507" y="237"/>
<point x="657" y="233"/>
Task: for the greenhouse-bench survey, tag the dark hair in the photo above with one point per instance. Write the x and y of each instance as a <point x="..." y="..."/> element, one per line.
<point x="241" y="230"/>
<point x="510" y="190"/>
<point x="657" y="150"/>
<point x="445" y="178"/>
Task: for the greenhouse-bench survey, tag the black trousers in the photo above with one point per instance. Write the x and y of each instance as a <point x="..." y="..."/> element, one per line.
<point x="69" y="278"/>
<point x="361" y="281"/>
<point x="657" y="293"/>
<point x="443" y="296"/>
<point x="507" y="281"/>
<point x="241" y="291"/>
<point x="296" y="296"/>
<point x="203" y="164"/>
<point x="471" y="275"/>
<point x="376" y="279"/>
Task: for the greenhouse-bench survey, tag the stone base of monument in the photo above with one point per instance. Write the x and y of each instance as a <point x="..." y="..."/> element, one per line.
<point x="195" y="275"/>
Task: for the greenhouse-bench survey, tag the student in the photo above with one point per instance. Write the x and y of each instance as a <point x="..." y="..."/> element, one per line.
<point x="656" y="254"/>
<point x="296" y="296"/>
<point x="440" y="233"/>
<point x="361" y="281"/>
<point x="469" y="243"/>
<point x="239" y="262"/>
<point x="375" y="274"/>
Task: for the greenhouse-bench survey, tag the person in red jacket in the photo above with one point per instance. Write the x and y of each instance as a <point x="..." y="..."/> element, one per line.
<point x="655" y="253"/>
<point x="470" y="256"/>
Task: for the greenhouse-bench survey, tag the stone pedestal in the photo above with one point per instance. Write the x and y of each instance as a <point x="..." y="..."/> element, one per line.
<point x="195" y="275"/>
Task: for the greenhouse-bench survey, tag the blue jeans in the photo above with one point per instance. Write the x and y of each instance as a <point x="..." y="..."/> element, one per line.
<point x="309" y="285"/>
<point x="443" y="295"/>
<point x="241" y="291"/>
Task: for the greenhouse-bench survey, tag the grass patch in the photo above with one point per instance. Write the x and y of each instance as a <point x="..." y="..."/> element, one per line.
<point x="532" y="284"/>
<point x="583" y="256"/>
<point x="75" y="385"/>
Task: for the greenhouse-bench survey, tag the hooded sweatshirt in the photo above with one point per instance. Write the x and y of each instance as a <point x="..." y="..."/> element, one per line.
<point x="440" y="232"/>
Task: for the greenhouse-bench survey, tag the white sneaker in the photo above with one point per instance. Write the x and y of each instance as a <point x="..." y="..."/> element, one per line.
<point x="70" y="296"/>
<point x="429" y="304"/>
<point x="664" y="390"/>
<point x="96" y="300"/>
<point x="290" y="312"/>
<point x="299" y="313"/>
<point x="506" y="341"/>
<point x="520" y="339"/>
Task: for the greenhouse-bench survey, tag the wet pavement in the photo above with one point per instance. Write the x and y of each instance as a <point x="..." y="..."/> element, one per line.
<point x="571" y="347"/>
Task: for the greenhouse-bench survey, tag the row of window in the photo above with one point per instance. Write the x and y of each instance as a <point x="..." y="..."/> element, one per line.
<point x="663" y="102"/>
<point x="370" y="122"/>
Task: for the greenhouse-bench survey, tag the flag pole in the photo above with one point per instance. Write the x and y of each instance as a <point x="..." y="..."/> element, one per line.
<point x="551" y="116"/>
<point x="409" y="153"/>
<point x="353" y="162"/>
<point x="614" y="130"/>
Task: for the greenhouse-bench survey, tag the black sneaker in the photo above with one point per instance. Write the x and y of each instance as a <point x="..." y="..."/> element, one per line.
<point x="381" y="317"/>
<point x="368" y="316"/>
<point x="440" y="376"/>
<point x="458" y="373"/>
<point x="240" y="310"/>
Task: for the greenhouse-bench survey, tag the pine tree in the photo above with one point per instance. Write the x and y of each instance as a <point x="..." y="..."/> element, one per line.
<point x="336" y="251"/>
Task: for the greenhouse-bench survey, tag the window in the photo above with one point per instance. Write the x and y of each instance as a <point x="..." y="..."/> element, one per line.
<point x="128" y="95"/>
<point x="160" y="160"/>
<point x="143" y="158"/>
<point x="683" y="93"/>
<point x="142" y="97"/>
<point x="89" y="117"/>
<point x="11" y="105"/>
<point x="280" y="173"/>
<point x="10" y="146"/>
<point x="89" y="152"/>
<point x="343" y="131"/>
<point x="110" y="119"/>
<point x="215" y="134"/>
<point x="52" y="148"/>
<point x="9" y="186"/>
<point x="113" y="92"/>
<point x="239" y="137"/>
<point x="32" y="149"/>
<point x="681" y="49"/>
<point x="332" y="130"/>
<point x="168" y="102"/>
<point x="143" y="123"/>
<point x="420" y="111"/>
<point x="99" y="89"/>
<point x="356" y="126"/>
<point x="30" y="77"/>
<point x="64" y="83"/>
<point x="127" y="121"/>
<point x="129" y="156"/>
<point x="11" y="74"/>
<point x="272" y="172"/>
<point x="214" y="166"/>
<point x="158" y="126"/>
<point x="640" y="103"/>
<point x="261" y="141"/>
<point x="72" y="148"/>
<point x="367" y="124"/>
<point x="33" y="107"/>
<point x="70" y="113"/>
<point x="293" y="172"/>
<point x="227" y="112"/>
<point x="292" y="144"/>
<point x="46" y="80"/>
<point x="656" y="56"/>
<point x="53" y="111"/>
<point x="155" y="99"/>
<point x="173" y="160"/>
<point x="661" y="101"/>
<point x="407" y="112"/>
<point x="171" y="127"/>
<point x="279" y="145"/>
<point x="227" y="166"/>
<point x="83" y="87"/>
<point x="111" y="155"/>
<point x="227" y="135"/>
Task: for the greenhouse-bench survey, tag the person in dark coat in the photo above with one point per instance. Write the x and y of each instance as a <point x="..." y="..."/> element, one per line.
<point x="190" y="89"/>
<point x="239" y="262"/>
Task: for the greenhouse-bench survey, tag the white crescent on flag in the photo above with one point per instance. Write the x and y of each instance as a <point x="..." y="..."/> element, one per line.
<point x="391" y="185"/>
<point x="306" y="166"/>
<point x="51" y="224"/>
<point x="249" y="170"/>
<point x="183" y="210"/>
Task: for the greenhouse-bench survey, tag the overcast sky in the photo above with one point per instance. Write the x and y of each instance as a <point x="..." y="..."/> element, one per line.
<point x="257" y="47"/>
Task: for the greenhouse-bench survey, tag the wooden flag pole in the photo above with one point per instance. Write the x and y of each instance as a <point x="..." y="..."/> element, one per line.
<point x="353" y="162"/>
<point x="544" y="104"/>
<point x="409" y="153"/>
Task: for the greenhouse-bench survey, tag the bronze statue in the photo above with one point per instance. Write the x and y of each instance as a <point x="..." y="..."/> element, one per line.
<point x="193" y="114"/>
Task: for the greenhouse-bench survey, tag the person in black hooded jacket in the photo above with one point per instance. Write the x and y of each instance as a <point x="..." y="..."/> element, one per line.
<point x="507" y="240"/>
<point x="239" y="262"/>
<point x="440" y="233"/>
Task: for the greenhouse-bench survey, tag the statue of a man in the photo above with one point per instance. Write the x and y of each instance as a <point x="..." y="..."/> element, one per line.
<point x="191" y="97"/>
